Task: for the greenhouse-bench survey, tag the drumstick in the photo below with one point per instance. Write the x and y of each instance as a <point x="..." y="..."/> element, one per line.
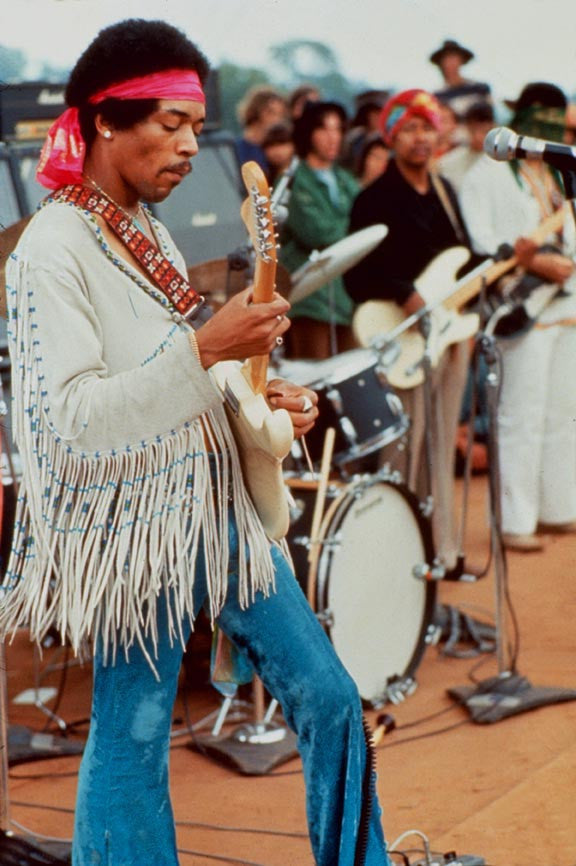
<point x="314" y="549"/>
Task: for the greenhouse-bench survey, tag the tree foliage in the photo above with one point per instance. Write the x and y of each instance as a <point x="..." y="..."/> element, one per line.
<point x="233" y="82"/>
<point x="304" y="59"/>
<point x="12" y="64"/>
<point x="294" y="62"/>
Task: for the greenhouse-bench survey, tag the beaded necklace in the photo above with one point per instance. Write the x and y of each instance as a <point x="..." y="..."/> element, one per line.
<point x="145" y="229"/>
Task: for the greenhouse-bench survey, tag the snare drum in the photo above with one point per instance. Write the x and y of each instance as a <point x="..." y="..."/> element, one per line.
<point x="355" y="399"/>
<point x="377" y="613"/>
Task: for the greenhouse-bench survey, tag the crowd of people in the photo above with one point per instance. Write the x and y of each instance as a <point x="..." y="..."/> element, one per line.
<point x="414" y="161"/>
<point x="133" y="512"/>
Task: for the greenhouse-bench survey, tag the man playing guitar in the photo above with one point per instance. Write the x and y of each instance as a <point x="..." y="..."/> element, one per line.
<point x="134" y="513"/>
<point x="423" y="220"/>
<point x="537" y="406"/>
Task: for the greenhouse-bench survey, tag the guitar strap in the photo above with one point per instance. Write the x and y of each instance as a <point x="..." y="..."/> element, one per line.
<point x="440" y="191"/>
<point x="163" y="274"/>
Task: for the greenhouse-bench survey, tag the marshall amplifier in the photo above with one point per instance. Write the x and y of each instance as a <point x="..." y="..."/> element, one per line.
<point x="28" y="109"/>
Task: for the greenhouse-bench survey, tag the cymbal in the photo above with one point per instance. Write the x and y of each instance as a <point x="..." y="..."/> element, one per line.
<point x="8" y="239"/>
<point x="218" y="282"/>
<point x="322" y="266"/>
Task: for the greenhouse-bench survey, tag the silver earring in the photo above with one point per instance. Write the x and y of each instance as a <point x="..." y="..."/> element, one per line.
<point x="107" y="133"/>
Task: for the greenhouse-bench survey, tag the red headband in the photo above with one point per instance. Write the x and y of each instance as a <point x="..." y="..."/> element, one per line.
<point x="62" y="158"/>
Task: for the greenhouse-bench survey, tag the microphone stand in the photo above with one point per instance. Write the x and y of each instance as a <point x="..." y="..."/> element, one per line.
<point x="508" y="693"/>
<point x="569" y="180"/>
<point x="425" y="326"/>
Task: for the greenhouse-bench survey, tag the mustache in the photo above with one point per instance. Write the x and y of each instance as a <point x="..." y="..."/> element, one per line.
<point x="183" y="168"/>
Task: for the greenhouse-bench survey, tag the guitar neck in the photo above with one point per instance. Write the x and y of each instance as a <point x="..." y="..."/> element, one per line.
<point x="264" y="279"/>
<point x="471" y="288"/>
<point x="265" y="269"/>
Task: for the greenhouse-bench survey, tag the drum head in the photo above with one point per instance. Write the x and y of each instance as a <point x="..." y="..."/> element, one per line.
<point x="379" y="612"/>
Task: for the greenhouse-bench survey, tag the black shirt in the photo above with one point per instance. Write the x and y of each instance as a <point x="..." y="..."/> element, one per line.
<point x="418" y="230"/>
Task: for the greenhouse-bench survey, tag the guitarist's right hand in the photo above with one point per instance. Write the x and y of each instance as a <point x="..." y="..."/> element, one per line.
<point x="241" y="329"/>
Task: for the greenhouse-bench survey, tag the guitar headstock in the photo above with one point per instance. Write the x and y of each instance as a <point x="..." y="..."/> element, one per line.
<point x="257" y="213"/>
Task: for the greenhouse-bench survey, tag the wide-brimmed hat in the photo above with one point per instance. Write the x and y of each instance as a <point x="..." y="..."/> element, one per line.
<point x="537" y="93"/>
<point x="450" y="46"/>
<point x="540" y="111"/>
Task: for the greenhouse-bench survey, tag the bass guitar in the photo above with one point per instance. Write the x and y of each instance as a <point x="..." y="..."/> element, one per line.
<point x="374" y="319"/>
<point x="263" y="435"/>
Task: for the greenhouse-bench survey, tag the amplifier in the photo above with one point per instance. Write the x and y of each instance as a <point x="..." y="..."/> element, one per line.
<point x="28" y="108"/>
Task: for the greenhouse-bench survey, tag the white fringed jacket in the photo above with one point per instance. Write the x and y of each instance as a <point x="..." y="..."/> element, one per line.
<point x="112" y="412"/>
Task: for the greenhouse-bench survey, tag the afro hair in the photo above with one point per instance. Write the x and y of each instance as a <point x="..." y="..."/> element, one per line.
<point x="130" y="49"/>
<point x="122" y="51"/>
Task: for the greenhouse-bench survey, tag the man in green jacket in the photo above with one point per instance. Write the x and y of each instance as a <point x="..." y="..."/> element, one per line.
<point x="318" y="214"/>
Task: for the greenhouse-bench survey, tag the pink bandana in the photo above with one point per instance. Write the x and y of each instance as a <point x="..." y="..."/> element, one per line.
<point x="62" y="158"/>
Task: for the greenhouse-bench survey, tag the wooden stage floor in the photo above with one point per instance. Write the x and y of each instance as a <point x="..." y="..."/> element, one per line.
<point x="504" y="791"/>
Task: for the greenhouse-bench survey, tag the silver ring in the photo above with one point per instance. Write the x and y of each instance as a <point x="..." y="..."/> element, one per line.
<point x="307" y="404"/>
<point x="279" y="317"/>
<point x="279" y="341"/>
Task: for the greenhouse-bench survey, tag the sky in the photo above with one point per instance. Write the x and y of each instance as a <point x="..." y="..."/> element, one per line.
<point x="382" y="42"/>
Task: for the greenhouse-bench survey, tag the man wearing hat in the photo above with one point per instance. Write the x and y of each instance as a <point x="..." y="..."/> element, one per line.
<point x="458" y="93"/>
<point x="423" y="219"/>
<point x="537" y="406"/>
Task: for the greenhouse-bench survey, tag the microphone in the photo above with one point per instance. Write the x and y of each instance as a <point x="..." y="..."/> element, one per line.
<point x="504" y="144"/>
<point x="281" y="192"/>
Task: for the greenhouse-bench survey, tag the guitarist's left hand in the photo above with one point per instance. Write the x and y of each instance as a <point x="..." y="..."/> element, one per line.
<point x="282" y="394"/>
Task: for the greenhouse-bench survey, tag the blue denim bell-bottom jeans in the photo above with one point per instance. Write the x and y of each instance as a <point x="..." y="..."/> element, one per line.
<point x="123" y="812"/>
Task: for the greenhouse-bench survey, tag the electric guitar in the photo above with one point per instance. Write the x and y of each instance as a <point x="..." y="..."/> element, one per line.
<point x="263" y="435"/>
<point x="375" y="319"/>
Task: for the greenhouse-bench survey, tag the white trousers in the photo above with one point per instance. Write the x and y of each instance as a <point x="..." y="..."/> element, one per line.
<point x="448" y="382"/>
<point x="537" y="429"/>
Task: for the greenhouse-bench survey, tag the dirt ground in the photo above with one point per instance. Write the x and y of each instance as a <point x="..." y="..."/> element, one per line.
<point x="503" y="791"/>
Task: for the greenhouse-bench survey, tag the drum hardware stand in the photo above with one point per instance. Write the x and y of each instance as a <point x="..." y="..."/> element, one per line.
<point x="508" y="693"/>
<point x="425" y="325"/>
<point x="397" y="689"/>
<point x="254" y="748"/>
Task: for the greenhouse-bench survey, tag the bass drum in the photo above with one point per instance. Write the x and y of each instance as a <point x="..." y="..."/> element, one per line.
<point x="361" y="584"/>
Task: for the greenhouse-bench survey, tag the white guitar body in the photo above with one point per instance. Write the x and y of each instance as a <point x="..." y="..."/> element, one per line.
<point x="377" y="318"/>
<point x="264" y="437"/>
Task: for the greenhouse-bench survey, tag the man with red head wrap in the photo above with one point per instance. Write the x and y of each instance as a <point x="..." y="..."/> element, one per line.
<point x="133" y="513"/>
<point x="423" y="220"/>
